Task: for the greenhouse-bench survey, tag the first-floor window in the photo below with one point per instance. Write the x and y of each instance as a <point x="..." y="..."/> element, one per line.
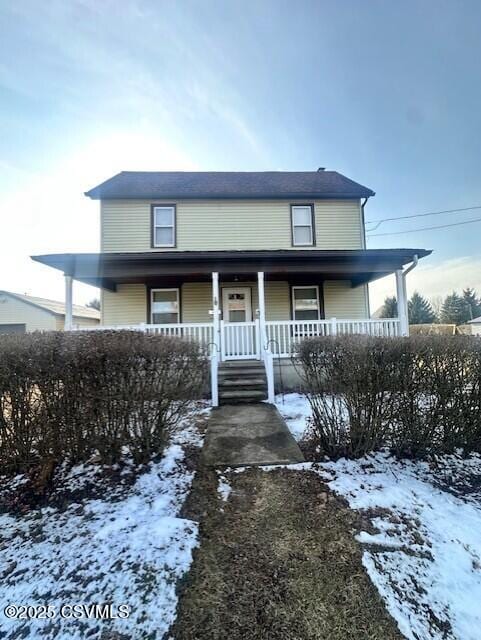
<point x="305" y="303"/>
<point x="164" y="306"/>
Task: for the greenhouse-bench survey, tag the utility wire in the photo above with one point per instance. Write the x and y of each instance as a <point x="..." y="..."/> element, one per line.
<point x="419" y="215"/>
<point x="442" y="226"/>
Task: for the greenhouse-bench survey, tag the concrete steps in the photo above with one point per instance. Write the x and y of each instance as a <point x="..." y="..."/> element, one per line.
<point x="242" y="381"/>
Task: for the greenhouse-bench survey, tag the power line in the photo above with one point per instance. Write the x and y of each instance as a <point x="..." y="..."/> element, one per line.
<point x="442" y="226"/>
<point x="420" y="215"/>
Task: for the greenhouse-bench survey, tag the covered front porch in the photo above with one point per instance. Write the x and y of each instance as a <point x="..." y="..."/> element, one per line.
<point x="241" y="304"/>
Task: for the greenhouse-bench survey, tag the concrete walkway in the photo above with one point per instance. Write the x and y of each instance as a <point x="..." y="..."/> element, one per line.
<point x="248" y="434"/>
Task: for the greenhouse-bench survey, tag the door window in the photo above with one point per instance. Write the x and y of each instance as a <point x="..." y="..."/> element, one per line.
<point x="237" y="305"/>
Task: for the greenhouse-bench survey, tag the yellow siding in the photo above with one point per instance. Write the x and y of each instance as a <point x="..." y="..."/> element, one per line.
<point x="278" y="304"/>
<point x="342" y="301"/>
<point x="14" y="311"/>
<point x="196" y="302"/>
<point x="128" y="305"/>
<point x="218" y="225"/>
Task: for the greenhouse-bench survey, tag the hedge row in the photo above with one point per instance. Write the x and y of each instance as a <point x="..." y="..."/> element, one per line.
<point x="70" y="395"/>
<point x="418" y="395"/>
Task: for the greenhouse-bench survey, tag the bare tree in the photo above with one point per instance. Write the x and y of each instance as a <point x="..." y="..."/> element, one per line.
<point x="94" y="304"/>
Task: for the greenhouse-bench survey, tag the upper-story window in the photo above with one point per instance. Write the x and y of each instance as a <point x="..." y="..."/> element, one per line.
<point x="302" y="221"/>
<point x="163" y="225"/>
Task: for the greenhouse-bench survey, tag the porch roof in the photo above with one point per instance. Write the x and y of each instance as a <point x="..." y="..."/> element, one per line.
<point x="106" y="270"/>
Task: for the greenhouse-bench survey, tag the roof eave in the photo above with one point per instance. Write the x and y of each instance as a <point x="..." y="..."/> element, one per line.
<point x="94" y="195"/>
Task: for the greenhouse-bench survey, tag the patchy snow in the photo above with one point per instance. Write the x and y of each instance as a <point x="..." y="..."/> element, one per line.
<point x="126" y="548"/>
<point x="296" y="411"/>
<point x="423" y="547"/>
<point x="224" y="488"/>
<point x="424" y="551"/>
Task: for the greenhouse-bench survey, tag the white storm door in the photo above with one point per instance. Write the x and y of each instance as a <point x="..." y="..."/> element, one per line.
<point x="236" y="304"/>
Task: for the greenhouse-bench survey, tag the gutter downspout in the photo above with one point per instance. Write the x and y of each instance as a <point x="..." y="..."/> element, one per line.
<point x="364" y="246"/>
<point x="363" y="221"/>
<point x="412" y="266"/>
<point x="404" y="273"/>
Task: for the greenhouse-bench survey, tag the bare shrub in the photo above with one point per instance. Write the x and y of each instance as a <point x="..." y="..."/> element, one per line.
<point x="348" y="384"/>
<point x="69" y="395"/>
<point x="418" y="395"/>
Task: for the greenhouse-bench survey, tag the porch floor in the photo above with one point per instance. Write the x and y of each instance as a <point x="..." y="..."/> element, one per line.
<point x="250" y="434"/>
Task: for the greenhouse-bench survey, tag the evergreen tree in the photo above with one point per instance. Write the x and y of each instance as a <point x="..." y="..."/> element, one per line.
<point x="94" y="304"/>
<point x="473" y="304"/>
<point x="437" y="305"/>
<point x="454" y="309"/>
<point x="389" y="309"/>
<point x="420" y="310"/>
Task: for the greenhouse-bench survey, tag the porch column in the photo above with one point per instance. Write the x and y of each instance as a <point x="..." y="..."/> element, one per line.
<point x="262" y="308"/>
<point x="402" y="302"/>
<point x="68" y="324"/>
<point x="265" y="351"/>
<point x="215" y="309"/>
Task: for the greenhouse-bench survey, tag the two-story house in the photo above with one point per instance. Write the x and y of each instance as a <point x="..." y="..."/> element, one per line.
<point x="248" y="262"/>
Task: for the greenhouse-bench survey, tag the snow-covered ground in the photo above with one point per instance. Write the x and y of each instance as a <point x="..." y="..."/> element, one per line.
<point x="423" y="546"/>
<point x="128" y="547"/>
<point x="424" y="553"/>
<point x="295" y="410"/>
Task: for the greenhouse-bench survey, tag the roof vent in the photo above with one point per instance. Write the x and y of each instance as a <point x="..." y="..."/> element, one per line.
<point x="321" y="168"/>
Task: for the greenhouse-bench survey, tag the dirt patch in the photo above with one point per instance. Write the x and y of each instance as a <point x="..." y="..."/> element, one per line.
<point x="278" y="560"/>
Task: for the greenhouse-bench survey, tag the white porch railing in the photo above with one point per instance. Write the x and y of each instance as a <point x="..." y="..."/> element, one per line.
<point x="200" y="332"/>
<point x="239" y="340"/>
<point x="242" y="340"/>
<point x="285" y="334"/>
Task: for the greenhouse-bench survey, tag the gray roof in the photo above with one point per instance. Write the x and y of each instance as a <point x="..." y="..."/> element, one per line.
<point x="475" y="320"/>
<point x="234" y="184"/>
<point x="52" y="306"/>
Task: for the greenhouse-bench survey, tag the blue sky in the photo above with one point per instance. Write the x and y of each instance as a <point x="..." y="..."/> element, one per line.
<point x="388" y="93"/>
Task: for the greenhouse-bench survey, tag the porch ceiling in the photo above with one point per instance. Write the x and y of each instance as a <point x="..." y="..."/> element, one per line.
<point x="106" y="270"/>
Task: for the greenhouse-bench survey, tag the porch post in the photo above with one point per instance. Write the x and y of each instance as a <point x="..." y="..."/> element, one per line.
<point x="215" y="309"/>
<point x="214" y="380"/>
<point x="265" y="353"/>
<point x="262" y="309"/>
<point x="402" y="303"/>
<point x="68" y="323"/>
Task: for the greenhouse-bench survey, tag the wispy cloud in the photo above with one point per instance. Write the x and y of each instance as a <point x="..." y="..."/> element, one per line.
<point x="166" y="71"/>
<point x="48" y="212"/>
<point x="433" y="280"/>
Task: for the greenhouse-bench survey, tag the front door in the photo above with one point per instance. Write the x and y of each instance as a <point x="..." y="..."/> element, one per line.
<point x="236" y="304"/>
<point x="239" y="335"/>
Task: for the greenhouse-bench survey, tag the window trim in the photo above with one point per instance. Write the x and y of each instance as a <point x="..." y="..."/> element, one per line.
<point x="151" y="299"/>
<point x="305" y="205"/>
<point x="153" y="226"/>
<point x="293" y="300"/>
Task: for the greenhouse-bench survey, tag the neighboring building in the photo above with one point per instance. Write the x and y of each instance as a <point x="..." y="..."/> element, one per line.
<point x="20" y="313"/>
<point x="475" y="326"/>
<point x="248" y="261"/>
<point x="378" y="312"/>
